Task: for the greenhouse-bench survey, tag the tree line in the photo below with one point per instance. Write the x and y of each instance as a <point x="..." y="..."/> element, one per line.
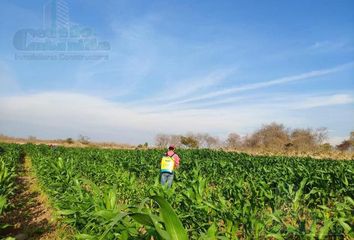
<point x="272" y="137"/>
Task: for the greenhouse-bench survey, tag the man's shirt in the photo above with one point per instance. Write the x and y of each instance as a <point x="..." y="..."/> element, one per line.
<point x="175" y="157"/>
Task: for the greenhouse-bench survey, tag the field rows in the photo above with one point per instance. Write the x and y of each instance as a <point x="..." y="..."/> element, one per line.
<point x="115" y="194"/>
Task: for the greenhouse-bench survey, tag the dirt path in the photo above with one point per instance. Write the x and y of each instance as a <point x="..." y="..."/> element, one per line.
<point x="29" y="218"/>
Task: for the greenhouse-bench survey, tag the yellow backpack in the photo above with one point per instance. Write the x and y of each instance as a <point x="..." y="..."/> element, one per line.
<point x="167" y="164"/>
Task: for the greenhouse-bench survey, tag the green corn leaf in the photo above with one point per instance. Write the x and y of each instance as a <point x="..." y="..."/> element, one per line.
<point x="111" y="198"/>
<point x="312" y="234"/>
<point x="124" y="235"/>
<point x="350" y="200"/>
<point x="172" y="223"/>
<point x="4" y="226"/>
<point x="65" y="212"/>
<point x="345" y="181"/>
<point x="275" y="218"/>
<point x="114" y="222"/>
<point x="84" y="237"/>
<point x="325" y="229"/>
<point x="106" y="214"/>
<point x="212" y="230"/>
<point x="142" y="218"/>
<point x="275" y="235"/>
<point x="299" y="194"/>
<point x="141" y="205"/>
<point x="164" y="234"/>
<point x="345" y="225"/>
<point x="2" y="203"/>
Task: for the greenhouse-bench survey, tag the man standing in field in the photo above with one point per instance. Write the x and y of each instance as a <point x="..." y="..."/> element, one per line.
<point x="169" y="162"/>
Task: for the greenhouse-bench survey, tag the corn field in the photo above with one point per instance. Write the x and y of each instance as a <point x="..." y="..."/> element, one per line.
<point x="116" y="194"/>
<point x="10" y="157"/>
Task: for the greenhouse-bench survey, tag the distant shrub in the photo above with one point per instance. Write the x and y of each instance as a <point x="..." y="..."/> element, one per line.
<point x="346" y="145"/>
<point x="69" y="140"/>
<point x="32" y="139"/>
<point x="84" y="139"/>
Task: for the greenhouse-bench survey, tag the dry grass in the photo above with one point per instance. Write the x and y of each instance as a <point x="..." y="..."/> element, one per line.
<point x="333" y="154"/>
<point x="317" y="154"/>
<point x="65" y="143"/>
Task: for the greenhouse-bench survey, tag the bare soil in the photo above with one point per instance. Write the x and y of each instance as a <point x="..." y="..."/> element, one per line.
<point x="29" y="218"/>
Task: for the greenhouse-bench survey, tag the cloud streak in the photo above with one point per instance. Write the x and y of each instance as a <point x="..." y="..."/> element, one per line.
<point x="193" y="86"/>
<point x="259" y="85"/>
<point x="325" y="101"/>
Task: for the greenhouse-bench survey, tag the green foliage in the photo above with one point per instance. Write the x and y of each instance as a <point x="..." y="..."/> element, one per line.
<point x="10" y="155"/>
<point x="115" y="194"/>
<point x="174" y="229"/>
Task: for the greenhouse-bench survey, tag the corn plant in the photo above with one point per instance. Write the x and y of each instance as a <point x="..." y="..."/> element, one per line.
<point x="10" y="155"/>
<point x="115" y="194"/>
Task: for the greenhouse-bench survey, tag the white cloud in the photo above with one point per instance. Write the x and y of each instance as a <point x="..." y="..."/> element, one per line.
<point x="192" y="86"/>
<point x="258" y="85"/>
<point x="320" y="44"/>
<point x="62" y="114"/>
<point x="53" y="114"/>
<point x="335" y="140"/>
<point x="281" y="102"/>
<point x="327" y="46"/>
<point x="323" y="101"/>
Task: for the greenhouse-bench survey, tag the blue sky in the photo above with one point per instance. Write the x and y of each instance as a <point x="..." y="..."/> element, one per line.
<point x="180" y="66"/>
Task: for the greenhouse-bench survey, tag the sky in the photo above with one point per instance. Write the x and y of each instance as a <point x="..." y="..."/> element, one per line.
<point x="173" y="67"/>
